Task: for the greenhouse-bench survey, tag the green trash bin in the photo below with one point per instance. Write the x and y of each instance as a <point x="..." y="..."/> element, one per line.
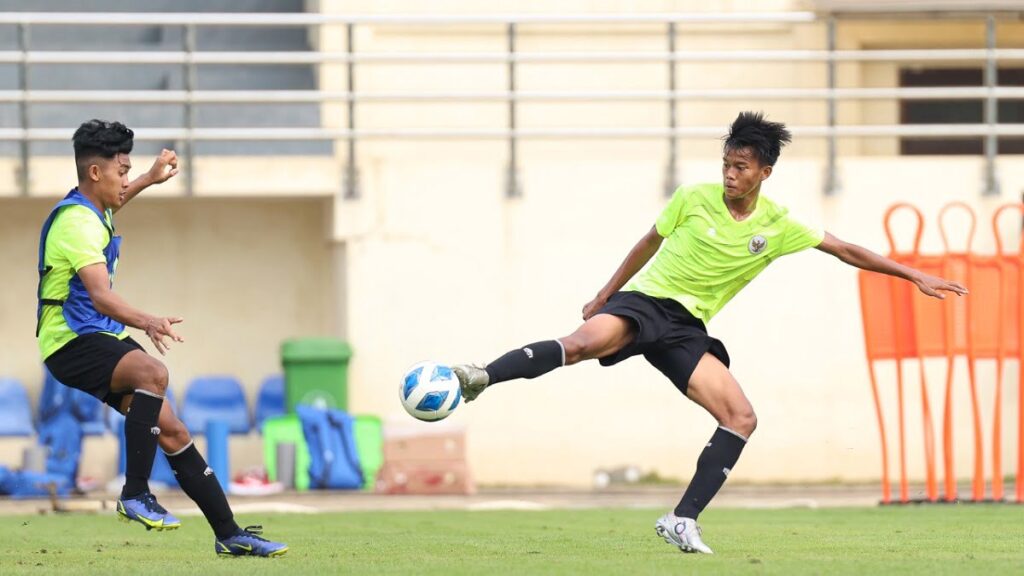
<point x="286" y="429"/>
<point x="315" y="372"/>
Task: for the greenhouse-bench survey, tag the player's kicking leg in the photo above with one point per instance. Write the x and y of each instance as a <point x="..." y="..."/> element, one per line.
<point x="714" y="388"/>
<point x="200" y="484"/>
<point x="600" y="336"/>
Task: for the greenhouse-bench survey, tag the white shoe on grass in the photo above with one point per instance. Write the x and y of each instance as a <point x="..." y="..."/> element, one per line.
<point x="681" y="532"/>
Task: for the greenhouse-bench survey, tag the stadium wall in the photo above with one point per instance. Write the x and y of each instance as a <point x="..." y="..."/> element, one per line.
<point x="432" y="261"/>
<point x="440" y="266"/>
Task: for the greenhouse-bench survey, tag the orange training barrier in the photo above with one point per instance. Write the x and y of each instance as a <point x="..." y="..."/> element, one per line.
<point x="1011" y="331"/>
<point x="900" y="323"/>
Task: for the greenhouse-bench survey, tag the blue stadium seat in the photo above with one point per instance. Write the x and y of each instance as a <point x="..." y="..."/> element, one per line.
<point x="86" y="408"/>
<point x="15" y="410"/>
<point x="215" y="398"/>
<point x="270" y="402"/>
<point x="54" y="398"/>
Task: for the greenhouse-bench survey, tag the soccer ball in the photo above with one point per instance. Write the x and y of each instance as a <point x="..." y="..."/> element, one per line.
<point x="430" y="391"/>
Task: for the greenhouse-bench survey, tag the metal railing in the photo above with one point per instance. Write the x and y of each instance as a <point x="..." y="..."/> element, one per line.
<point x="189" y="58"/>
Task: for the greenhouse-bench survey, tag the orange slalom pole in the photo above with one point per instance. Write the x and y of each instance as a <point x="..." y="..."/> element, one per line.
<point x="997" y="420"/>
<point x="886" y="488"/>
<point x="904" y="485"/>
<point x="1020" y="347"/>
<point x="931" y="489"/>
<point x="949" y="474"/>
<point x="900" y="354"/>
<point x="978" y="481"/>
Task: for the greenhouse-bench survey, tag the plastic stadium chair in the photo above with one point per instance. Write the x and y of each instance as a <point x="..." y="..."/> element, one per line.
<point x="369" y="433"/>
<point x="15" y="410"/>
<point x="215" y="398"/>
<point x="86" y="408"/>
<point x="54" y="398"/>
<point x="270" y="402"/>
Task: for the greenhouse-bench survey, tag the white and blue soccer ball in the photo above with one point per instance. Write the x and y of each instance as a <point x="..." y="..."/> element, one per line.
<point x="430" y="391"/>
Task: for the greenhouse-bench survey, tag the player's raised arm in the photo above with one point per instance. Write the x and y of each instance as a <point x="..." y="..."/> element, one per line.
<point x="110" y="303"/>
<point x="865" y="259"/>
<point x="641" y="253"/>
<point x="163" y="169"/>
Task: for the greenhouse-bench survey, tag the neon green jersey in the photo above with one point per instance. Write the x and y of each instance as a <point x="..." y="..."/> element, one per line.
<point x="707" y="256"/>
<point x="76" y="240"/>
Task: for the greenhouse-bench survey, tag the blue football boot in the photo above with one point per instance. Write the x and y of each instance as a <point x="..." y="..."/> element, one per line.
<point x="248" y="543"/>
<point x="145" y="510"/>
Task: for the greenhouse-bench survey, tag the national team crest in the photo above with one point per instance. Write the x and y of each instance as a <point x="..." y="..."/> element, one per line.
<point x="757" y="244"/>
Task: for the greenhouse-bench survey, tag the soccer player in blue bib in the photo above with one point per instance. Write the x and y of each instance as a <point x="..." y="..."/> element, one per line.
<point x="84" y="341"/>
<point x="708" y="243"/>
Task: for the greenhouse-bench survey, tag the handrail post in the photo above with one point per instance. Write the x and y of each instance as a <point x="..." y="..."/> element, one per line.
<point x="190" y="83"/>
<point x="24" y="180"/>
<point x="831" y="178"/>
<point x="672" y="169"/>
<point x="991" y="109"/>
<point x="351" y="172"/>
<point x="512" y="189"/>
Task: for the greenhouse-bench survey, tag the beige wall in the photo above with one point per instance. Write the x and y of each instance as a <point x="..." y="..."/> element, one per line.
<point x="442" y="267"/>
<point x="434" y="262"/>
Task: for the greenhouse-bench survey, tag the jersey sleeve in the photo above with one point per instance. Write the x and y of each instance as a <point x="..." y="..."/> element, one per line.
<point x="799" y="236"/>
<point x="672" y="216"/>
<point x="79" y="237"/>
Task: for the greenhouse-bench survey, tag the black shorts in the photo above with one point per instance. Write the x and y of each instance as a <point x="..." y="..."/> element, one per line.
<point x="668" y="336"/>
<point x="88" y="363"/>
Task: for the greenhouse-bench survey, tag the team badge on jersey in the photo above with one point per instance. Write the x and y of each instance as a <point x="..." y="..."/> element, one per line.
<point x="757" y="244"/>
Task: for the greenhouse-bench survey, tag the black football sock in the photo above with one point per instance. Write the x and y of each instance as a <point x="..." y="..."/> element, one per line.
<point x="199" y="483"/>
<point x="529" y="361"/>
<point x="713" y="466"/>
<point x="140" y="436"/>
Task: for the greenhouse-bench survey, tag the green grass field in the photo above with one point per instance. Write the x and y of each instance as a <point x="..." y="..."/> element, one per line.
<point x="917" y="540"/>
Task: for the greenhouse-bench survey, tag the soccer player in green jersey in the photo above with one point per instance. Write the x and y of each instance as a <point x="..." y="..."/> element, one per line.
<point x="83" y="338"/>
<point x="707" y="244"/>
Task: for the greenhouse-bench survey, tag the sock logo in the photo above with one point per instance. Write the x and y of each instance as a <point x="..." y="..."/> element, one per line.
<point x="726" y="471"/>
<point x="529" y="353"/>
<point x="208" y="471"/>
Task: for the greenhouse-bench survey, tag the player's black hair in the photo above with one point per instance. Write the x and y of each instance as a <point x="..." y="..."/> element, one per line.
<point x="99" y="138"/>
<point x="765" y="139"/>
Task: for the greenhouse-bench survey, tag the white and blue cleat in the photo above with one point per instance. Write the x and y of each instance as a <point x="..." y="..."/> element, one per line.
<point x="684" y="533"/>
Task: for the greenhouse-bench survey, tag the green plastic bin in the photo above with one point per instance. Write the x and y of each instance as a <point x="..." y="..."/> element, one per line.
<point x="286" y="429"/>
<point x="370" y="446"/>
<point x="315" y="372"/>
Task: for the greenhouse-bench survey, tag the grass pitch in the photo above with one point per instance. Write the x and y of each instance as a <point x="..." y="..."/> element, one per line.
<point x="937" y="540"/>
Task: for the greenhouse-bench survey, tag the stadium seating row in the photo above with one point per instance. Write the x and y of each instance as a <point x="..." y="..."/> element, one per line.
<point x="206" y="398"/>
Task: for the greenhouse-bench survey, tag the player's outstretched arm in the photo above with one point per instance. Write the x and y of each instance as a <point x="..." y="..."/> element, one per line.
<point x="109" y="303"/>
<point x="163" y="169"/>
<point x="635" y="260"/>
<point x="865" y="259"/>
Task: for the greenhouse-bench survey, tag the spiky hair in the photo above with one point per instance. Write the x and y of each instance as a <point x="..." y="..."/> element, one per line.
<point x="99" y="138"/>
<point x="765" y="139"/>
